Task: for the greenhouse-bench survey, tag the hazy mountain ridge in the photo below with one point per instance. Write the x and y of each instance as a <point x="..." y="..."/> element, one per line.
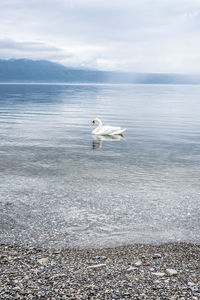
<point x="26" y="70"/>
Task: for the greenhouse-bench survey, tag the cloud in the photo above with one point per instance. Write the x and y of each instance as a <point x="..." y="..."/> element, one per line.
<point x="145" y="35"/>
<point x="31" y="49"/>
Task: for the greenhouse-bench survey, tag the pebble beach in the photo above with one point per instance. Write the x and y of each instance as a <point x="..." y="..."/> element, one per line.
<point x="166" y="271"/>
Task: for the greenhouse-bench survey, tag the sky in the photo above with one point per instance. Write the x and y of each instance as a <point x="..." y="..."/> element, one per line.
<point x="125" y="35"/>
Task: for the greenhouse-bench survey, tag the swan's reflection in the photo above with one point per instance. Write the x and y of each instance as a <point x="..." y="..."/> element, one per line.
<point x="98" y="140"/>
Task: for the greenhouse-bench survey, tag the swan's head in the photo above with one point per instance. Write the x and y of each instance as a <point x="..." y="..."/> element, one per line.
<point x="96" y="120"/>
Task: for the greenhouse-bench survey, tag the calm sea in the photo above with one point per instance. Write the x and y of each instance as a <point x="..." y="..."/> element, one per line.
<point x="60" y="186"/>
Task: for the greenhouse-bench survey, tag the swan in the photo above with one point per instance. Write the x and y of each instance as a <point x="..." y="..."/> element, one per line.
<point x="106" y="130"/>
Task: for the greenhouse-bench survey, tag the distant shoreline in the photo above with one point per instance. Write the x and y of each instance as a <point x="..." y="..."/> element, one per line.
<point x="97" y="83"/>
<point x="27" y="70"/>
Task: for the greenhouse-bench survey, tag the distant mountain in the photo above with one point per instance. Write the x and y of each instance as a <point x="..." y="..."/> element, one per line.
<point x="26" y="70"/>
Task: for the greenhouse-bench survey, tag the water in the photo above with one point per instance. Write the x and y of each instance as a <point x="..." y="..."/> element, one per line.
<point x="59" y="186"/>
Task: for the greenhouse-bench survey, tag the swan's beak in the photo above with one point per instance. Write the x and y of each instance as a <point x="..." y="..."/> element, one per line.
<point x="93" y="122"/>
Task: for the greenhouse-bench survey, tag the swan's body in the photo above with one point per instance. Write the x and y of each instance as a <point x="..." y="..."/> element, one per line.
<point x="106" y="130"/>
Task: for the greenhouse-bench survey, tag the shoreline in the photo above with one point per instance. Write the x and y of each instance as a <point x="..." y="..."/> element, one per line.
<point x="137" y="271"/>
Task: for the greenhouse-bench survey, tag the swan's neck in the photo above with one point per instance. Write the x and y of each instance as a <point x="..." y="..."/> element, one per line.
<point x="100" y="124"/>
<point x="98" y="127"/>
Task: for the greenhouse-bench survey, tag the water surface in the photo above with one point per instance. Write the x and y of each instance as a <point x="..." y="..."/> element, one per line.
<point x="60" y="186"/>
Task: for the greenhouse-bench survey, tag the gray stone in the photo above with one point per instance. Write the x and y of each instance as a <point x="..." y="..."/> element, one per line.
<point x="156" y="281"/>
<point x="156" y="255"/>
<point x="130" y="269"/>
<point x="158" y="286"/>
<point x="193" y="288"/>
<point x="103" y="257"/>
<point x="171" y="272"/>
<point x="138" y="263"/>
<point x="43" y="260"/>
<point x="151" y="269"/>
<point x="159" y="274"/>
<point x="96" y="266"/>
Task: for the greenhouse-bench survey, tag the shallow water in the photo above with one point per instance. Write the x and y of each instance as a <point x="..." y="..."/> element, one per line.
<point x="60" y="186"/>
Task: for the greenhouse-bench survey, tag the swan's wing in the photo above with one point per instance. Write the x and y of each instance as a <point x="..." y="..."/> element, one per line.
<point x="120" y="131"/>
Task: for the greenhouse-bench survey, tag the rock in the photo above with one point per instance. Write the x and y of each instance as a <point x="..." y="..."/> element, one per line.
<point x="159" y="274"/>
<point x="158" y="286"/>
<point x="96" y="266"/>
<point x="156" y="255"/>
<point x="16" y="288"/>
<point x="17" y="281"/>
<point x="193" y="288"/>
<point x="156" y="281"/>
<point x="43" y="260"/>
<point x="101" y="257"/>
<point x="116" y="278"/>
<point x="166" y="281"/>
<point x="130" y="269"/>
<point x="151" y="269"/>
<point x="138" y="263"/>
<point x="171" y="272"/>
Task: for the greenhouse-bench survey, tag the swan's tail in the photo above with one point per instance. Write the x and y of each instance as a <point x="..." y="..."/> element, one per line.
<point x="120" y="131"/>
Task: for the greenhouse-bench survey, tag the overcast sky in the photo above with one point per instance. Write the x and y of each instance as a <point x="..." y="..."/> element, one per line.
<point x="128" y="35"/>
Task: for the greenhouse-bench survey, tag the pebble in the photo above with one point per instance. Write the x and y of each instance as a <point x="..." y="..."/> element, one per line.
<point x="156" y="255"/>
<point x="159" y="274"/>
<point x="43" y="260"/>
<point x="78" y="274"/>
<point x="130" y="269"/>
<point x="156" y="281"/>
<point x="151" y="269"/>
<point x="194" y="288"/>
<point x="96" y="266"/>
<point x="138" y="263"/>
<point x="171" y="272"/>
<point x="101" y="257"/>
<point x="158" y="286"/>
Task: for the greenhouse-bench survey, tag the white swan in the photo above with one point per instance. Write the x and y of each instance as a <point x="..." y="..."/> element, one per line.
<point x="106" y="130"/>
